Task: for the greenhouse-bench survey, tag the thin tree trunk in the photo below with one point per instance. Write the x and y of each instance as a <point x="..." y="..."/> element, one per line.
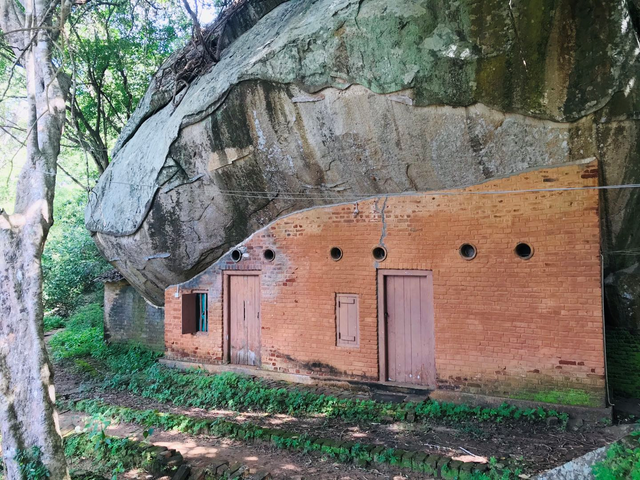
<point x="27" y="394"/>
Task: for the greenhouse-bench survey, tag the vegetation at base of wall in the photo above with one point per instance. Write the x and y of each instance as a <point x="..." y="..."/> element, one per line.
<point x="134" y="368"/>
<point x="236" y="392"/>
<point x="561" y="397"/>
<point x="622" y="461"/>
<point x="358" y="453"/>
<point x="83" y="338"/>
<point x="623" y="362"/>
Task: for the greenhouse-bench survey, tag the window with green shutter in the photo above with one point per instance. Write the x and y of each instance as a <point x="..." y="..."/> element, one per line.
<point x="195" y="313"/>
<point x="203" y="313"/>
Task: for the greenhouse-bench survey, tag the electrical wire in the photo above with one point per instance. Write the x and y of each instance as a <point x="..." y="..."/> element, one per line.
<point x="450" y="191"/>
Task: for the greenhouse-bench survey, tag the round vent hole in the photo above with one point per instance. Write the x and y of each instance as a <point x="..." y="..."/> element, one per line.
<point x="236" y="256"/>
<point x="269" y="255"/>
<point x="524" y="251"/>
<point x="468" y="251"/>
<point x="379" y="253"/>
<point x="336" y="253"/>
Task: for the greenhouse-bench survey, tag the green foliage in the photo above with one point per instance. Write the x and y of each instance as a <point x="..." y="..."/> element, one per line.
<point x="116" y="48"/>
<point x="30" y="464"/>
<point x="53" y="322"/>
<point x="232" y="391"/>
<point x="83" y="336"/>
<point x="622" y="461"/>
<point x="111" y="454"/>
<point x="70" y="261"/>
<point x="83" y="339"/>
<point x="623" y="360"/>
<point x="134" y="368"/>
<point x="562" y="397"/>
<point x="341" y="451"/>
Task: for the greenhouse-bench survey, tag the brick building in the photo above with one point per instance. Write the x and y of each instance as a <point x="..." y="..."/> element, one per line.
<point x="492" y="289"/>
<point x="128" y="317"/>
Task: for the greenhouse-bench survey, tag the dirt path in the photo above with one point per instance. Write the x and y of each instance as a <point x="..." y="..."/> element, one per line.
<point x="201" y="451"/>
<point x="536" y="446"/>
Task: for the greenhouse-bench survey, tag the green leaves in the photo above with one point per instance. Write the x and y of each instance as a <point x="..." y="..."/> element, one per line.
<point x="70" y="261"/>
<point x="115" y="50"/>
<point x="30" y="464"/>
<point x="622" y="461"/>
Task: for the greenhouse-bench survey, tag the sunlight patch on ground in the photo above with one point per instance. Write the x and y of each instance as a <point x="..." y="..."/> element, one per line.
<point x="471" y="458"/>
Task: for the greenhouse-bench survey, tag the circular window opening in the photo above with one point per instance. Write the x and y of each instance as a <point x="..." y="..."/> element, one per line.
<point x="236" y="256"/>
<point x="336" y="253"/>
<point x="468" y="251"/>
<point x="379" y="253"/>
<point x="524" y="251"/>
<point x="269" y="255"/>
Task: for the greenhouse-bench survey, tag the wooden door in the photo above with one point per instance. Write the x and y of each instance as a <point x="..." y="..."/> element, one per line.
<point x="244" y="319"/>
<point x="409" y="355"/>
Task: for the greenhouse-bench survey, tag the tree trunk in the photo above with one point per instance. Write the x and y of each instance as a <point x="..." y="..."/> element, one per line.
<point x="27" y="394"/>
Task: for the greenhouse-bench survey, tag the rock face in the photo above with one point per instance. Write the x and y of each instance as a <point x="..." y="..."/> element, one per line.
<point x="324" y="101"/>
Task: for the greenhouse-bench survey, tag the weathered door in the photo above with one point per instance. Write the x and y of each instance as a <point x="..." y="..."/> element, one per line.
<point x="409" y="331"/>
<point x="244" y="319"/>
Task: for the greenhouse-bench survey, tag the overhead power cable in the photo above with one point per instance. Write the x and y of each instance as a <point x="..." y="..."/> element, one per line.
<point x="450" y="191"/>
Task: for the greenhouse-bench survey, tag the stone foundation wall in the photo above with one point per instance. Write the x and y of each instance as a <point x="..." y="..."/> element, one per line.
<point x="129" y="318"/>
<point x="503" y="325"/>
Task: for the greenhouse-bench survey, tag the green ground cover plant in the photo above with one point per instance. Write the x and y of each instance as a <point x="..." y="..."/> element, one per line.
<point x="31" y="466"/>
<point x="53" y="322"/>
<point x="135" y="369"/>
<point x="622" y="461"/>
<point x="109" y="455"/>
<point x="342" y="451"/>
<point x="239" y="393"/>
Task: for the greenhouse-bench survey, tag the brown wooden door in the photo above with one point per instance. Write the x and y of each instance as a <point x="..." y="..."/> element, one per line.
<point x="244" y="319"/>
<point x="409" y="332"/>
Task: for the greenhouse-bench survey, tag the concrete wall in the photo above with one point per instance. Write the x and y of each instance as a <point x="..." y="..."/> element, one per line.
<point x="129" y="318"/>
<point x="503" y="325"/>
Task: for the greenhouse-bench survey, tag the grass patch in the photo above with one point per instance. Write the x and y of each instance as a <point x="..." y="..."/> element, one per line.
<point x="561" y="397"/>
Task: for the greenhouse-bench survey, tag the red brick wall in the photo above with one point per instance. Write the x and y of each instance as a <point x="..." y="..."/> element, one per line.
<point x="503" y="325"/>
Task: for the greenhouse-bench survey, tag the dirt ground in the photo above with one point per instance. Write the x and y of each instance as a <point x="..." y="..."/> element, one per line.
<point x="536" y="447"/>
<point x="202" y="450"/>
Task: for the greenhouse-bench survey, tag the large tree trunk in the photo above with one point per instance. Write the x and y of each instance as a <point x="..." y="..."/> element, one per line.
<point x="27" y="395"/>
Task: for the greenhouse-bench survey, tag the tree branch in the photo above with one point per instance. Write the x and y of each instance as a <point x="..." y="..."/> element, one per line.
<point x="84" y="187"/>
